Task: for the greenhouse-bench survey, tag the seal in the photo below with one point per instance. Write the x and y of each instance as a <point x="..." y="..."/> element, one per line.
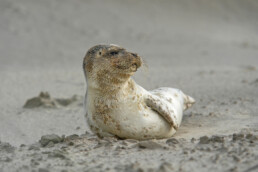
<point x="117" y="106"/>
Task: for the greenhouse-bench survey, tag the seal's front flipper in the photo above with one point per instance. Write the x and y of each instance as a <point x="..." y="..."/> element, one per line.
<point x="163" y="109"/>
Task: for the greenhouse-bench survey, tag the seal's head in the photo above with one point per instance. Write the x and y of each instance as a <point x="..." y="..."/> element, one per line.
<point x="112" y="65"/>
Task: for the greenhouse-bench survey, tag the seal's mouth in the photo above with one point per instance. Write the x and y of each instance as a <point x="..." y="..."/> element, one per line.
<point x="134" y="67"/>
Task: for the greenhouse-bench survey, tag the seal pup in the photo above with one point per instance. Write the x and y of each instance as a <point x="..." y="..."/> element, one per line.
<point x="116" y="106"/>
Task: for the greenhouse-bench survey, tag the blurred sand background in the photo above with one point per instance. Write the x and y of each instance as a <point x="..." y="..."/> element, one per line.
<point x="209" y="49"/>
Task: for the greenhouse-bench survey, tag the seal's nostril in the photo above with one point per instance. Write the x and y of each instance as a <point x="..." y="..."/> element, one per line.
<point x="134" y="54"/>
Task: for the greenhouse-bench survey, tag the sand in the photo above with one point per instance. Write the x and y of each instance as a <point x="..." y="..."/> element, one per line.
<point x="209" y="49"/>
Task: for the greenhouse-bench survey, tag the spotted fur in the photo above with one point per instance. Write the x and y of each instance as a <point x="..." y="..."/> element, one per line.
<point x="116" y="105"/>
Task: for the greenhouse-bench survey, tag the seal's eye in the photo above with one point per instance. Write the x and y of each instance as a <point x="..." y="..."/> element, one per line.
<point x="112" y="53"/>
<point x="100" y="53"/>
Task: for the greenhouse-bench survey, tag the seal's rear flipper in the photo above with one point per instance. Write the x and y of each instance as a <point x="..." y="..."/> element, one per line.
<point x="188" y="102"/>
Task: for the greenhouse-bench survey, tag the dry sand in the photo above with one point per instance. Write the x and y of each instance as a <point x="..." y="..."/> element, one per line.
<point x="209" y="49"/>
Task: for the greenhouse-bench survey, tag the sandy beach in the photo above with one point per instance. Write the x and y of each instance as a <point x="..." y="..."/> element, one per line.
<point x="208" y="49"/>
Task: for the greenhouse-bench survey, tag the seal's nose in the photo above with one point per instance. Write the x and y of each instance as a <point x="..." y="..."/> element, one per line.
<point x="137" y="60"/>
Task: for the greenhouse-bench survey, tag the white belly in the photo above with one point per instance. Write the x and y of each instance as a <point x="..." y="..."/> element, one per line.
<point x="128" y="117"/>
<point x="140" y="122"/>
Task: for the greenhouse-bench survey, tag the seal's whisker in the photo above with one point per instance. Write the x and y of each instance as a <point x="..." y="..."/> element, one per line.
<point x="145" y="67"/>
